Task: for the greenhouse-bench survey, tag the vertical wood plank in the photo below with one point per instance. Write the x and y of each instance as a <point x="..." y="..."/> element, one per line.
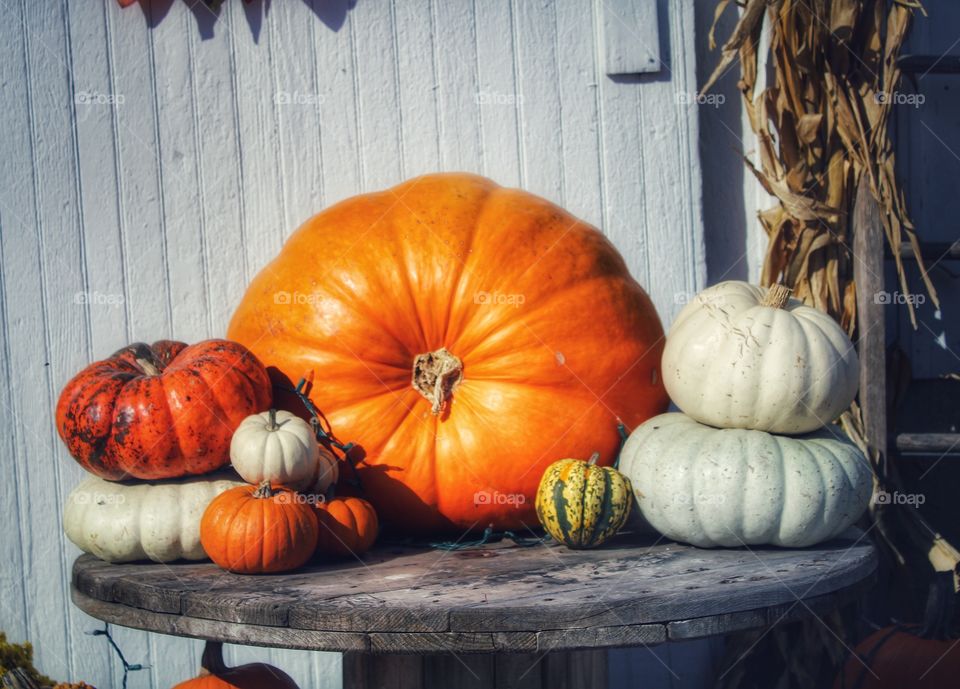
<point x="624" y="189"/>
<point x="365" y="671"/>
<point x="257" y="130"/>
<point x="668" y="125"/>
<point x="418" y="86"/>
<point x="541" y="141"/>
<point x="340" y="137"/>
<point x="579" y="119"/>
<point x="378" y="106"/>
<point x="498" y="99"/>
<point x="298" y="104"/>
<point x="449" y="671"/>
<point x="218" y="150"/>
<point x="574" y="669"/>
<point x="178" y="175"/>
<point x="16" y="218"/>
<point x="38" y="209"/>
<point x="868" y="243"/>
<point x="518" y="671"/>
<point x="455" y="51"/>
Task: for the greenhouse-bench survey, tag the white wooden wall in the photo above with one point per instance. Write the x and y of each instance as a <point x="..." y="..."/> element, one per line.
<point x="150" y="165"/>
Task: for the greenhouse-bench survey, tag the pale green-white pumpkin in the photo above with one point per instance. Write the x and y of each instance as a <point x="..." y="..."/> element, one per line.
<point x="142" y="520"/>
<point x="733" y="487"/>
<point x="279" y="447"/>
<point x="741" y="356"/>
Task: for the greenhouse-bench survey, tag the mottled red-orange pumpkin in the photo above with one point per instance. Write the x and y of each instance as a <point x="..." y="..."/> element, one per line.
<point x="466" y="336"/>
<point x="161" y="411"/>
<point x="348" y="526"/>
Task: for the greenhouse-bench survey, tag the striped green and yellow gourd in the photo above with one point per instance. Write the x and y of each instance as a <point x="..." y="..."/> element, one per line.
<point x="581" y="504"/>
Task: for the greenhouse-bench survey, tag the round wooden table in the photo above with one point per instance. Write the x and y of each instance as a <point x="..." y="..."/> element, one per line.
<point x="498" y="615"/>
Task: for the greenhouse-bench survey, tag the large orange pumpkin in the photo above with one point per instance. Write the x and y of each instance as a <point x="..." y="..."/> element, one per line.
<point x="465" y="336"/>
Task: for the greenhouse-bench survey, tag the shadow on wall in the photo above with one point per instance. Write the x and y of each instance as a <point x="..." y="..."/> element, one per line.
<point x="724" y="205"/>
<point x="333" y="13"/>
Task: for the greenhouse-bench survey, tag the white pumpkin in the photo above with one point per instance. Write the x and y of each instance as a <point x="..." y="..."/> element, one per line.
<point x="275" y="446"/>
<point x="735" y="358"/>
<point x="156" y="520"/>
<point x="732" y="487"/>
<point x="328" y="472"/>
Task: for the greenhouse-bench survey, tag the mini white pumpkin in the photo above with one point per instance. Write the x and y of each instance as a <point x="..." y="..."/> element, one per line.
<point x="732" y="487"/>
<point x="328" y="471"/>
<point x="156" y="520"/>
<point x="741" y="356"/>
<point x="275" y="446"/>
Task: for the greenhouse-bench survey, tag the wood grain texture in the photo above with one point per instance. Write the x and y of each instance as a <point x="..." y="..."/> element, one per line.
<point x="159" y="156"/>
<point x="868" y="243"/>
<point x="405" y="600"/>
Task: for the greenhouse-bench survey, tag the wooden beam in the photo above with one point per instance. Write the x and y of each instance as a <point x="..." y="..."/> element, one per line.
<point x="868" y="242"/>
<point x="929" y="443"/>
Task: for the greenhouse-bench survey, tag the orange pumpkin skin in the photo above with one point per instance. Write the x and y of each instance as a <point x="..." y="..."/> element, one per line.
<point x="258" y="530"/>
<point x="252" y="676"/>
<point x="554" y="339"/>
<point x="216" y="675"/>
<point x="348" y="526"/>
<point x="161" y="411"/>
<point x="895" y="658"/>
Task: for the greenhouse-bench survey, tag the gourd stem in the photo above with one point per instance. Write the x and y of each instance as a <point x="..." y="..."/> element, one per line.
<point x="273" y="421"/>
<point x="211" y="662"/>
<point x="263" y="490"/>
<point x="435" y="376"/>
<point x="148" y="367"/>
<point x="594" y="458"/>
<point x="777" y="296"/>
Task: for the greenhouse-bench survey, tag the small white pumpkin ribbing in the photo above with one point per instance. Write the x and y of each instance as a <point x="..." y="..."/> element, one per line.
<point x="732" y="487"/>
<point x="741" y="356"/>
<point x="156" y="520"/>
<point x="275" y="446"/>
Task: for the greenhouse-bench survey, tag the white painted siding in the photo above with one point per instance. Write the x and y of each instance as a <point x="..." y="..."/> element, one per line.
<point x="154" y="164"/>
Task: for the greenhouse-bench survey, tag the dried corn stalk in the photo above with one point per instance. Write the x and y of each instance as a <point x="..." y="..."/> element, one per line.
<point x="821" y="126"/>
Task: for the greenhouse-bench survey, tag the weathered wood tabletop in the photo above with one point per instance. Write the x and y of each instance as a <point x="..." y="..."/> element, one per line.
<point x="497" y="600"/>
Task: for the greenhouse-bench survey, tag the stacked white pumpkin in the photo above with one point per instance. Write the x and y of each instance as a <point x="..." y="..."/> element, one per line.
<point x="125" y="521"/>
<point x="754" y="458"/>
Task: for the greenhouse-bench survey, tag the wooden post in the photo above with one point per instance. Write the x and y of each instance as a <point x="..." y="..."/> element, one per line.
<point x="871" y="345"/>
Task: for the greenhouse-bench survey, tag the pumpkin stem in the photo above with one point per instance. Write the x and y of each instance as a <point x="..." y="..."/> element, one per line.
<point x="211" y="662"/>
<point x="273" y="421"/>
<point x="263" y="490"/>
<point x="436" y="375"/>
<point x="777" y="296"/>
<point x="594" y="458"/>
<point x="148" y="367"/>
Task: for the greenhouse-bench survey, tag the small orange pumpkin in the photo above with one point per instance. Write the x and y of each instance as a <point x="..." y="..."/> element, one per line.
<point x="216" y="675"/>
<point x="348" y="526"/>
<point x="258" y="530"/>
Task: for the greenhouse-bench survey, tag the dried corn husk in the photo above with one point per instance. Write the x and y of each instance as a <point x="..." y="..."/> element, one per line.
<point x="821" y="126"/>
